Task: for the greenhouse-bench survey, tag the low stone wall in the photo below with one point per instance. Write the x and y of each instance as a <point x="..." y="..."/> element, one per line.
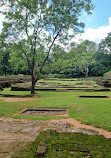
<point x="108" y="75"/>
<point x="104" y="82"/>
<point x="8" y="80"/>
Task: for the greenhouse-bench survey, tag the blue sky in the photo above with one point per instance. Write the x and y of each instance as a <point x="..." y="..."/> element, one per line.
<point x="100" y="16"/>
<point x="97" y="25"/>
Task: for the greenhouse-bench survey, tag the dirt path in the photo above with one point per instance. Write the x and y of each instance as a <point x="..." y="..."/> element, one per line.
<point x="17" y="99"/>
<point x="79" y="125"/>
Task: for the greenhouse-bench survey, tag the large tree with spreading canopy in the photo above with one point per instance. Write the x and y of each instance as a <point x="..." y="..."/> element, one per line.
<point x="33" y="26"/>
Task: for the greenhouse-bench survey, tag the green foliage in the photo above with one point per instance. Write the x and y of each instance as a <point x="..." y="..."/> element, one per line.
<point x="60" y="59"/>
<point x="105" y="44"/>
<point x="103" y="56"/>
<point x="5" y="50"/>
<point x="77" y="60"/>
<point x="85" y="56"/>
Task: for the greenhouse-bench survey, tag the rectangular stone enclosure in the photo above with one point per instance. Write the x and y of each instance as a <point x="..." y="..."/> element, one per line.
<point x="44" y="112"/>
<point x="90" y="96"/>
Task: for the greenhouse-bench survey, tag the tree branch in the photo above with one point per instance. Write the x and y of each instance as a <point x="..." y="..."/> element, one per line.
<point x="49" y="50"/>
<point x="25" y="56"/>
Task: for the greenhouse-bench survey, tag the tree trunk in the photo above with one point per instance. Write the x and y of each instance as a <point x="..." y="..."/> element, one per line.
<point x="86" y="74"/>
<point x="33" y="83"/>
<point x="5" y="72"/>
<point x="32" y="88"/>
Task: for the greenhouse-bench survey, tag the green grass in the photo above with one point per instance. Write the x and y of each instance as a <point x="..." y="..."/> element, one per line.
<point x="61" y="145"/>
<point x="108" y="72"/>
<point x="93" y="111"/>
<point x="7" y="91"/>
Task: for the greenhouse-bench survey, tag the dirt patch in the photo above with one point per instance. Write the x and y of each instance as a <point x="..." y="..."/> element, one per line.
<point x="109" y="97"/>
<point x="15" y="96"/>
<point x="18" y="99"/>
<point x="78" y="125"/>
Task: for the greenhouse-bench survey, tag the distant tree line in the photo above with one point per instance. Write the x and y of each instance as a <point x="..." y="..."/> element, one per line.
<point x="84" y="59"/>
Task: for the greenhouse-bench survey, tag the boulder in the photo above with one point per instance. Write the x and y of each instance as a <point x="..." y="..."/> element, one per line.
<point x="5" y="84"/>
<point x="41" y="150"/>
<point x="20" y="88"/>
<point x="107" y="75"/>
<point x="1" y="88"/>
<point x="8" y="80"/>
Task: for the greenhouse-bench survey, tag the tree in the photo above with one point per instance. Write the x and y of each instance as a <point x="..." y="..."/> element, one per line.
<point x="33" y="26"/>
<point x="5" y="50"/>
<point x="103" y="56"/>
<point x="105" y="44"/>
<point x="62" y="61"/>
<point x="17" y="65"/>
<point x="59" y="58"/>
<point x="84" y="56"/>
<point x="87" y="56"/>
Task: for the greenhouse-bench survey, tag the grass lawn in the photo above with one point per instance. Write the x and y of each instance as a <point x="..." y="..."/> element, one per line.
<point x="94" y="111"/>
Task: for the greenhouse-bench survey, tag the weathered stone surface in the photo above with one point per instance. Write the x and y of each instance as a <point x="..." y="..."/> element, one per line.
<point x="44" y="111"/>
<point x="7" y="81"/>
<point x="20" y="88"/>
<point x="19" y="130"/>
<point x="41" y="150"/>
<point x="84" y="131"/>
<point x="60" y="126"/>
<point x="61" y="90"/>
<point x="107" y="75"/>
<point x="15" y="133"/>
<point x="5" y="84"/>
<point x="81" y="83"/>
<point x="1" y="88"/>
<point x="104" y="82"/>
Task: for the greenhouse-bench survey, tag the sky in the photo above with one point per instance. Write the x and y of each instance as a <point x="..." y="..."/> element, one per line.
<point x="97" y="25"/>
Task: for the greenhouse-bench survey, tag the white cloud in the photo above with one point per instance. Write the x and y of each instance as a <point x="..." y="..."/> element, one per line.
<point x="1" y="21"/>
<point x="110" y="21"/>
<point x="70" y="32"/>
<point x="2" y="17"/>
<point x="95" y="34"/>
